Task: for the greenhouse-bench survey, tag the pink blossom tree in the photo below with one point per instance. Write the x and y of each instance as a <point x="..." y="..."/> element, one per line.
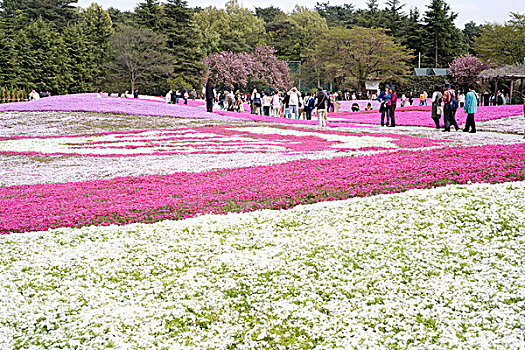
<point x="237" y="70"/>
<point x="465" y="69"/>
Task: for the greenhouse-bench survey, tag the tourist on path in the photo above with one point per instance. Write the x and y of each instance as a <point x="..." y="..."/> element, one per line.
<point x="293" y="103"/>
<point x="209" y="94"/>
<point x="449" y="108"/>
<point x="471" y="107"/>
<point x="391" y="105"/>
<point x="320" y="104"/>
<point x="383" y="99"/>
<point x="437" y="110"/>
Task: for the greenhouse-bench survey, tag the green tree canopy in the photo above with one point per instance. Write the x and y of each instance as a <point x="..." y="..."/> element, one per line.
<point x="138" y="57"/>
<point x="351" y="56"/>
<point x="234" y="28"/>
<point x="502" y="44"/>
<point x="183" y="42"/>
<point x="337" y="15"/>
<point x="148" y="14"/>
<point x="268" y="14"/>
<point x="57" y="12"/>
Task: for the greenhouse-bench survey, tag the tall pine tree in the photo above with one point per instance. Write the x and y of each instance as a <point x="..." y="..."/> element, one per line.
<point x="443" y="41"/>
<point x="411" y="35"/>
<point x="59" y="13"/>
<point x="149" y="15"/>
<point x="183" y="42"/>
<point x="394" y="17"/>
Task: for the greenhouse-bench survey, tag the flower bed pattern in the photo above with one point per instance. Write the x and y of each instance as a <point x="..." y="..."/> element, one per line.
<point x="212" y="140"/>
<point x="426" y="269"/>
<point x="183" y="195"/>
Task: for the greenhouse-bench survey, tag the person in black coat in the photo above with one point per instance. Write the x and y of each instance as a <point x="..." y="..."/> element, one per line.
<point x="209" y="95"/>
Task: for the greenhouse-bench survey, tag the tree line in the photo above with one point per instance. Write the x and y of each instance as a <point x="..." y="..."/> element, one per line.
<point x="54" y="45"/>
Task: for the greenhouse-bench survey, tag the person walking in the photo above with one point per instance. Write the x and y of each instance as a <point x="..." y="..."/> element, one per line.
<point x="410" y="98"/>
<point x="449" y="108"/>
<point x="168" y="97"/>
<point x="391" y="105"/>
<point x="320" y="104"/>
<point x="209" y="94"/>
<point x="471" y="107"/>
<point x="437" y="110"/>
<point x="309" y="105"/>
<point x="286" y="105"/>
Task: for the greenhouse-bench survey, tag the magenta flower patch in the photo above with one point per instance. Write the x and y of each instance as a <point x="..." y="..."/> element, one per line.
<point x="182" y="195"/>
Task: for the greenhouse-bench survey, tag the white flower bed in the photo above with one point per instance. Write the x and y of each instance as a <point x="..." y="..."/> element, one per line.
<point x="345" y="141"/>
<point x="427" y="269"/>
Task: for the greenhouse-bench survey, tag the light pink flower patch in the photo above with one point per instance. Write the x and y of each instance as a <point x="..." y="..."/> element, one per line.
<point x="212" y="139"/>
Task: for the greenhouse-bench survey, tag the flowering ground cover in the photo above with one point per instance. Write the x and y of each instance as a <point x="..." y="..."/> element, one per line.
<point x="110" y="238"/>
<point x="425" y="269"/>
<point x="204" y="139"/>
<point x="421" y="116"/>
<point x="182" y="195"/>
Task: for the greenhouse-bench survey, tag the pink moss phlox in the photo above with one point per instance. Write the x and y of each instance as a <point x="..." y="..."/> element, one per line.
<point x="182" y="195"/>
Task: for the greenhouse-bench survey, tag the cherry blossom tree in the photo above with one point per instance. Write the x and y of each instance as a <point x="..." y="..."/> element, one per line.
<point x="238" y="70"/>
<point x="465" y="69"/>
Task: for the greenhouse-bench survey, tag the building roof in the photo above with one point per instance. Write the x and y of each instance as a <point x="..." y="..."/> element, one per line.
<point x="430" y="71"/>
<point x="440" y="71"/>
<point x="508" y="71"/>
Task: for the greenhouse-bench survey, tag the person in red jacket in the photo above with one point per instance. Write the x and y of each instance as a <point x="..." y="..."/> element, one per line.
<point x="391" y="106"/>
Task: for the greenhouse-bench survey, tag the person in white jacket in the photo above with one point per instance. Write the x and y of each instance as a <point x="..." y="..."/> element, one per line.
<point x="294" y="102"/>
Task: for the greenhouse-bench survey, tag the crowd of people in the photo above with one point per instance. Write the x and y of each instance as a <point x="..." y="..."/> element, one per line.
<point x="294" y="104"/>
<point x="291" y="104"/>
<point x="34" y="95"/>
<point x="445" y="103"/>
<point x="178" y="94"/>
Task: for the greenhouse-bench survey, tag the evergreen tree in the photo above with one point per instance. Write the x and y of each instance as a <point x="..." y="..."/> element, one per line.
<point x="393" y="18"/>
<point x="83" y="67"/>
<point x="337" y="15"/>
<point x="470" y="33"/>
<point x="443" y="41"/>
<point x="411" y="34"/>
<point x="372" y="16"/>
<point x="183" y="42"/>
<point x="97" y="29"/>
<point x="268" y="14"/>
<point x="42" y="58"/>
<point x="149" y="15"/>
<point x="8" y="66"/>
<point x="59" y="13"/>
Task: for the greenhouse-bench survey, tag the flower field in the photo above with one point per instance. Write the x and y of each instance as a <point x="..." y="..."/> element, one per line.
<point x="127" y="223"/>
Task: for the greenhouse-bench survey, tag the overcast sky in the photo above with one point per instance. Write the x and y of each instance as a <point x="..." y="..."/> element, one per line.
<point x="479" y="11"/>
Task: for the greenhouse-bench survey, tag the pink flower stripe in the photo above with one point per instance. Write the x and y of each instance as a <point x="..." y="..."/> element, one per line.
<point x="418" y="116"/>
<point x="186" y="144"/>
<point x="182" y="195"/>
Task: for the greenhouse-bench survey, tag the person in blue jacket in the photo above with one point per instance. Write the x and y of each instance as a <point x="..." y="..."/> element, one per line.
<point x="471" y="107"/>
<point x="383" y="98"/>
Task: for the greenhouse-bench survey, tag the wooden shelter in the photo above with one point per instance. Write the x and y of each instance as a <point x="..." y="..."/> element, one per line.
<point x="512" y="72"/>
